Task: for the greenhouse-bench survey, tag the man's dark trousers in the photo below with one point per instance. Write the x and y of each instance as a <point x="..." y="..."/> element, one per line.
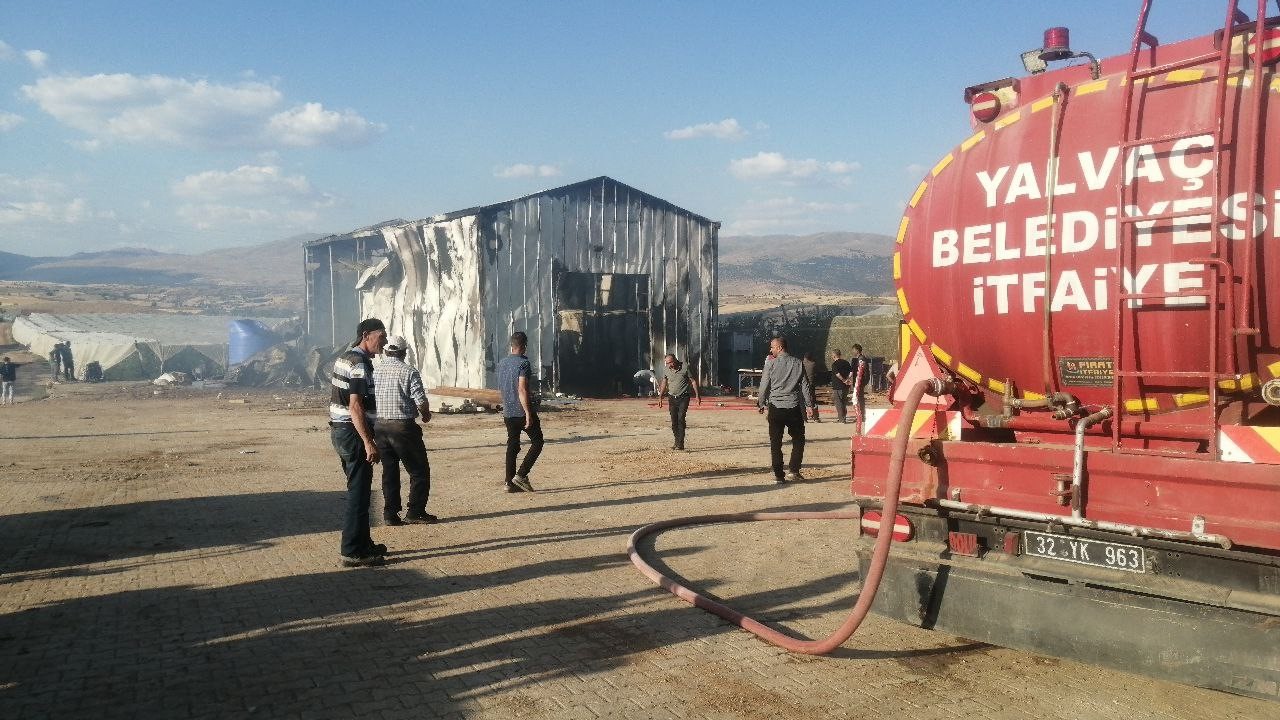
<point x="514" y="427"/>
<point x="792" y="419"/>
<point x="679" y="409"/>
<point x="840" y="396"/>
<point x="401" y="441"/>
<point x="356" y="540"/>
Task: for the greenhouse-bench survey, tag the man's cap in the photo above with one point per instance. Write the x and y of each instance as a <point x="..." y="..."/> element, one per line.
<point x="395" y="344"/>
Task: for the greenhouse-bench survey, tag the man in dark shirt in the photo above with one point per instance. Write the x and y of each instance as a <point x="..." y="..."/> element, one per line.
<point x="840" y="382"/>
<point x="68" y="362"/>
<point x="8" y="376"/>
<point x="515" y="375"/>
<point x="810" y="365"/>
<point x="677" y="385"/>
<point x="352" y="411"/>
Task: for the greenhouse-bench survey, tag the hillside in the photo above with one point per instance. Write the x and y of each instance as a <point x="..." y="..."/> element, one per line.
<point x="808" y="265"/>
<point x="277" y="264"/>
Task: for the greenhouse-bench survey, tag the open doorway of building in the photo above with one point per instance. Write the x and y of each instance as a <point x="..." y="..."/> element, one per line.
<point x="602" y="332"/>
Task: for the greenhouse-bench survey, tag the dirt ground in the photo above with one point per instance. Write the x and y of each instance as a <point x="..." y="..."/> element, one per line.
<point x="172" y="552"/>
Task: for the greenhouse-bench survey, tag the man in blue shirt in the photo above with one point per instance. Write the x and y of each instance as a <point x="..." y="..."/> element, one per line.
<point x="515" y="374"/>
<point x="352" y="411"/>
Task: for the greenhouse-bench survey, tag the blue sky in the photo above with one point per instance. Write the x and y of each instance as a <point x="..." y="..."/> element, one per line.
<point x="187" y="126"/>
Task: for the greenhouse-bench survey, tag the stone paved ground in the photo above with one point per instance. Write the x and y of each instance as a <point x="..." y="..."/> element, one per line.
<point x="170" y="553"/>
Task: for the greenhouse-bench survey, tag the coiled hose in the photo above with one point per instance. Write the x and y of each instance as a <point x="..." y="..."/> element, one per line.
<point x="879" y="555"/>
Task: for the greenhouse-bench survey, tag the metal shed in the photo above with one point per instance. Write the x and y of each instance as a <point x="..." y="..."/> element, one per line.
<point x="604" y="279"/>
<point x="331" y="266"/>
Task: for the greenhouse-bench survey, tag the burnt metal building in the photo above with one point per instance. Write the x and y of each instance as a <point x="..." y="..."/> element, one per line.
<point x="331" y="266"/>
<point x="604" y="279"/>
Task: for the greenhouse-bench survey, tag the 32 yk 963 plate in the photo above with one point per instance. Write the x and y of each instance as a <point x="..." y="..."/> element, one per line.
<point x="1097" y="553"/>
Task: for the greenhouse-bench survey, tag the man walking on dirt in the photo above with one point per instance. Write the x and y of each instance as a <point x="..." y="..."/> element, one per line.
<point x="55" y="360"/>
<point x="68" y="362"/>
<point x="8" y="376"/>
<point x="352" y="409"/>
<point x="401" y="400"/>
<point x="515" y="375"/>
<point x="677" y="385"/>
<point x="784" y="392"/>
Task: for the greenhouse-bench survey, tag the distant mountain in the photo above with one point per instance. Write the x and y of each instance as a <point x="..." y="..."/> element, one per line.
<point x="835" y="262"/>
<point x="277" y="264"/>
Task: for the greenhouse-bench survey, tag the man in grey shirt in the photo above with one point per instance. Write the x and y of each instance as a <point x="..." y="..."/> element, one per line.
<point x="678" y="385"/>
<point x="784" y="393"/>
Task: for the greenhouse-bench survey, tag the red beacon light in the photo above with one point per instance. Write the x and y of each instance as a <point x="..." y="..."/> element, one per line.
<point x="1057" y="44"/>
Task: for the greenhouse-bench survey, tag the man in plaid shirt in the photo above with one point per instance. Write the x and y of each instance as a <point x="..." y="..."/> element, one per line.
<point x="401" y="399"/>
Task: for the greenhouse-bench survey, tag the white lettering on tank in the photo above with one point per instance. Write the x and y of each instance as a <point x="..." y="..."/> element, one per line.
<point x="991" y="184"/>
<point x="1193" y="174"/>
<point x="1079" y="231"/>
<point x="977" y="238"/>
<point x="1032" y="288"/>
<point x="1143" y="163"/>
<point x="1001" y="283"/>
<point x="944" y="248"/>
<point x="1069" y="291"/>
<point x="1233" y="207"/>
<point x="1181" y="234"/>
<point x="1135" y="283"/>
<point x="1095" y="177"/>
<point x="1023" y="184"/>
<point x="1181" y="276"/>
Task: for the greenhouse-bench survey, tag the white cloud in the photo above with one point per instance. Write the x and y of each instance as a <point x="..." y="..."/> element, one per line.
<point x="155" y="109"/>
<point x="212" y="216"/>
<point x="38" y="58"/>
<point x="775" y="166"/>
<point x="789" y="215"/>
<point x="260" y="196"/>
<point x="9" y="121"/>
<point x="310" y="125"/>
<point x="727" y="129"/>
<point x="40" y="201"/>
<point x="246" y="181"/>
<point x="523" y="170"/>
<point x="916" y="170"/>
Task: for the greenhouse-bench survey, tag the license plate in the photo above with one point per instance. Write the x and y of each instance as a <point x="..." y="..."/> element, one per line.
<point x="1097" y="553"/>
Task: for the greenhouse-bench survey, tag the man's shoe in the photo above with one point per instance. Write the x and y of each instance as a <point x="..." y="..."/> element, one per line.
<point x="794" y="476"/>
<point x="513" y="488"/>
<point x="522" y="482"/>
<point x="377" y="549"/>
<point x="353" y="561"/>
<point x="421" y="519"/>
<point x="779" y="479"/>
<point x="679" y="447"/>
<point x="392" y="519"/>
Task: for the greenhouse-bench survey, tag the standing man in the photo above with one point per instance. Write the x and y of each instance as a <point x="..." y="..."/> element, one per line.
<point x="401" y="400"/>
<point x="840" y="382"/>
<point x="515" y="374"/>
<point x="352" y="411"/>
<point x="783" y="393"/>
<point x="677" y="384"/>
<point x="810" y="365"/>
<point x="861" y="373"/>
<point x="55" y="361"/>
<point x="68" y="363"/>
<point x="8" y="376"/>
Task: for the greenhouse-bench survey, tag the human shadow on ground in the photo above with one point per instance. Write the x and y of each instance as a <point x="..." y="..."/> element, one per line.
<point x="76" y="536"/>
<point x="335" y="644"/>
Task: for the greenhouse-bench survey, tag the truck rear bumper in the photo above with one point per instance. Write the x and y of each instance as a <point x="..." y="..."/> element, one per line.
<point x="1187" y="642"/>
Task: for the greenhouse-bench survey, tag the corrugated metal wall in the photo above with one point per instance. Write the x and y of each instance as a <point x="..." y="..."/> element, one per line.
<point x="502" y="264"/>
<point x="330" y="268"/>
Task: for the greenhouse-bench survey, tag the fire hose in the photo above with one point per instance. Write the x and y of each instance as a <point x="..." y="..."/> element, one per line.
<point x="879" y="554"/>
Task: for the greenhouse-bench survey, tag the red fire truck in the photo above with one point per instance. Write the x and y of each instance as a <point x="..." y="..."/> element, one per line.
<point x="1092" y="280"/>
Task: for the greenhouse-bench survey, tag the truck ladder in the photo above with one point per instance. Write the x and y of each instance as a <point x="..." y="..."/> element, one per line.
<point x="1127" y="304"/>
